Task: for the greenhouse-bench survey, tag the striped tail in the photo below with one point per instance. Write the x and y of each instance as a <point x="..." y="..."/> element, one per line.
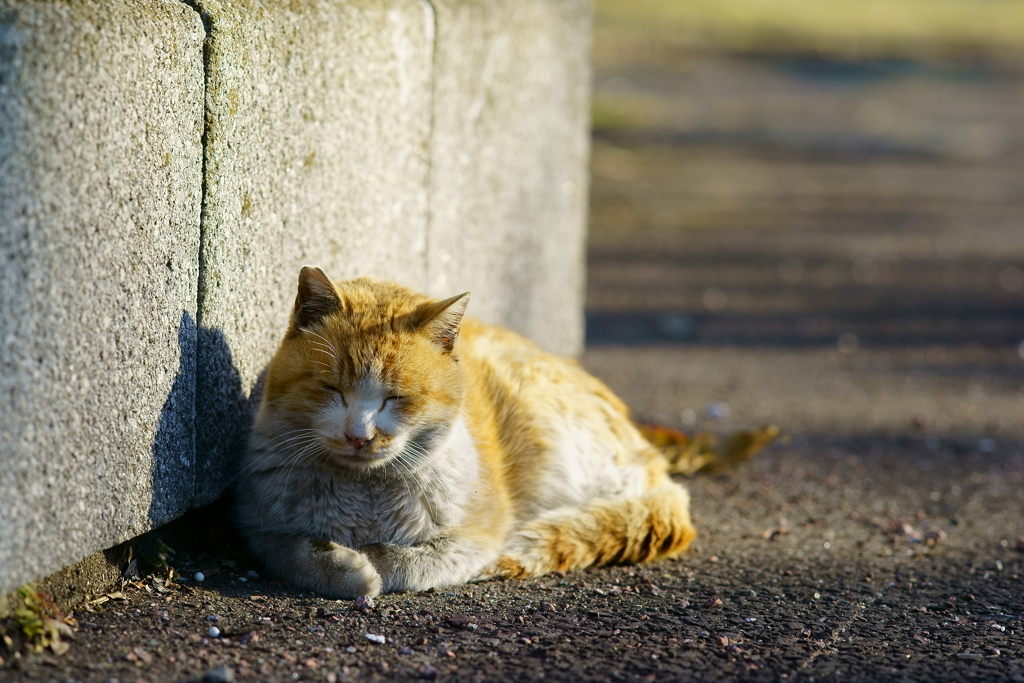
<point x="606" y="531"/>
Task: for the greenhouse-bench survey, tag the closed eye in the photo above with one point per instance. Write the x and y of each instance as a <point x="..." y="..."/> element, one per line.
<point x="391" y="400"/>
<point x="337" y="391"/>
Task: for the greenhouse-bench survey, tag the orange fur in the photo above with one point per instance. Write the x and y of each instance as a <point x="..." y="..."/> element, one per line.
<point x="398" y="438"/>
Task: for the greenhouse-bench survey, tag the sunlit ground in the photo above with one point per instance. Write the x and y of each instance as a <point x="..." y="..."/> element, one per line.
<point x="827" y="238"/>
<point x="842" y="29"/>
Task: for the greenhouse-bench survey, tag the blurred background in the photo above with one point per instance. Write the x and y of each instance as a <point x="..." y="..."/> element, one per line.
<point x="809" y="213"/>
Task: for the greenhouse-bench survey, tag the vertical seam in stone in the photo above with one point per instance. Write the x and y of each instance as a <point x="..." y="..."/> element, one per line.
<point x="201" y="270"/>
<point x="429" y="151"/>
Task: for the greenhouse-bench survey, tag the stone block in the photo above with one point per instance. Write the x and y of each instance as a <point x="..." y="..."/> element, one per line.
<point x="100" y="194"/>
<point x="509" y="151"/>
<point x="318" y="123"/>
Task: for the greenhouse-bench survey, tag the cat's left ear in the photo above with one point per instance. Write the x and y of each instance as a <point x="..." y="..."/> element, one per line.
<point x="442" y="319"/>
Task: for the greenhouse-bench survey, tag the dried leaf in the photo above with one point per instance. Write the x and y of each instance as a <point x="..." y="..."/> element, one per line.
<point x="41" y="622"/>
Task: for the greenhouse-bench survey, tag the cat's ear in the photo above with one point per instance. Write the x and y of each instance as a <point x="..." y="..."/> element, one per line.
<point x="317" y="298"/>
<point x="442" y="319"/>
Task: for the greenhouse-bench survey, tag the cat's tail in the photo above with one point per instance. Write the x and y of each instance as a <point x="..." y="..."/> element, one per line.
<point x="653" y="526"/>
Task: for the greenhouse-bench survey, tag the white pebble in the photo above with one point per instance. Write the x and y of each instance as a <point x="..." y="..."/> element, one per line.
<point x="242" y="579"/>
<point x="212" y="617"/>
<point x="214" y="632"/>
<point x="718" y="410"/>
<point x="373" y="637"/>
<point x="199" y="576"/>
<point x="253" y="574"/>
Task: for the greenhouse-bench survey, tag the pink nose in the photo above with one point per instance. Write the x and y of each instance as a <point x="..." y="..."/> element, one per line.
<point x="356" y="441"/>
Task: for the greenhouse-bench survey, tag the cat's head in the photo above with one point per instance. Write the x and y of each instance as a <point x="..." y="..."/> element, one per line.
<point x="368" y="369"/>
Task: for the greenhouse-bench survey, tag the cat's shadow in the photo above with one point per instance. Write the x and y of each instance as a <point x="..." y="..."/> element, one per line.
<point x="203" y="427"/>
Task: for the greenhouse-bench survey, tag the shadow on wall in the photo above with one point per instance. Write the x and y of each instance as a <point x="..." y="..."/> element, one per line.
<point x="203" y="427"/>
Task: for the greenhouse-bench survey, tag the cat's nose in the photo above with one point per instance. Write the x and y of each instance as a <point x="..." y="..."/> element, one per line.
<point x="357" y="441"/>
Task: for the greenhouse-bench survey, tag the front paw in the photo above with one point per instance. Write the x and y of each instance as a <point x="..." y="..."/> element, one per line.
<point x="340" y="572"/>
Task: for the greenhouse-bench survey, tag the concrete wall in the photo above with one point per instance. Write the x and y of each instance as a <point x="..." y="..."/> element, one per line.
<point x="166" y="168"/>
<point x="100" y="191"/>
<point x="511" y="141"/>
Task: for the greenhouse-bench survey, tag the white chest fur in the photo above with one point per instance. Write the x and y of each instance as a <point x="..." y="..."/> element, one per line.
<point x="408" y="500"/>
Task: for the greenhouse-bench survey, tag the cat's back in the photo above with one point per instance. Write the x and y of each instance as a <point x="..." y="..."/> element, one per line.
<point x="513" y="366"/>
<point x="560" y="434"/>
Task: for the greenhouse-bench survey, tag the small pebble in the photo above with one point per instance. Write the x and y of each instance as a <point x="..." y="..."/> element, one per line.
<point x="222" y="674"/>
<point x="713" y="602"/>
<point x="374" y="638"/>
<point x="459" y="620"/>
<point x="405" y="650"/>
<point x="242" y="579"/>
<point x="363" y="603"/>
<point x="214" y="632"/>
<point x="717" y="410"/>
<point x="1020" y="544"/>
<point x="426" y="672"/>
<point x="199" y="576"/>
<point x="212" y="617"/>
<point x="252" y="574"/>
<point x="351" y="650"/>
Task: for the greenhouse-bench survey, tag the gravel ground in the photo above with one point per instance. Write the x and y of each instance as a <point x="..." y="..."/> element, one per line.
<point x="870" y="307"/>
<point x="823" y="559"/>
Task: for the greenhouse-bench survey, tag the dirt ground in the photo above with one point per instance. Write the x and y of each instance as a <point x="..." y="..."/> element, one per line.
<point x="833" y="252"/>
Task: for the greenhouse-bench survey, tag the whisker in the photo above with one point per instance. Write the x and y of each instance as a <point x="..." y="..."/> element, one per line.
<point x="328" y="342"/>
<point x="434" y="476"/>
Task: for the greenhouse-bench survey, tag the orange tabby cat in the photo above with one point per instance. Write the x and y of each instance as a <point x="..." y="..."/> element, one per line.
<point x="399" y="446"/>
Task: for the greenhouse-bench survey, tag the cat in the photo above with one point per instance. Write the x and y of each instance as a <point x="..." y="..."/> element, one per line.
<point x="402" y="446"/>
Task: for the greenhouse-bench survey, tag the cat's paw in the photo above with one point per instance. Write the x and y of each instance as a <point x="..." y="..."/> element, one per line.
<point x="340" y="572"/>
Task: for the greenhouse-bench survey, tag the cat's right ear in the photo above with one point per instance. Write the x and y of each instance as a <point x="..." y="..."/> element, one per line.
<point x="317" y="298"/>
